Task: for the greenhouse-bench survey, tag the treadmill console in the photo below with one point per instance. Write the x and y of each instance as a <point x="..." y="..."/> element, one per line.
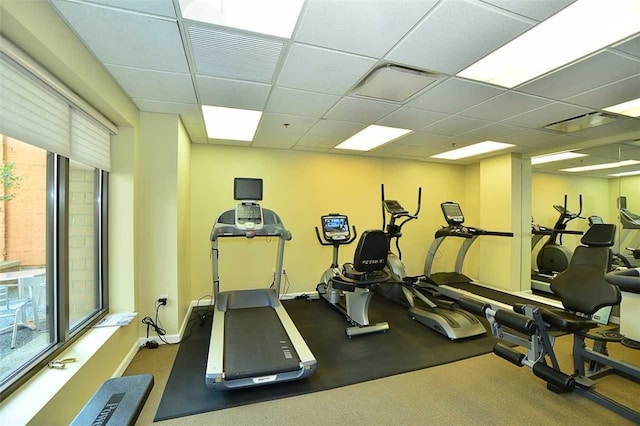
<point x="452" y="213"/>
<point x="249" y="216"/>
<point x="394" y="207"/>
<point x="335" y="227"/>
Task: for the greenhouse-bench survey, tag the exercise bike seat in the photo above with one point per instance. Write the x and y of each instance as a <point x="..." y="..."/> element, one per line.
<point x="369" y="261"/>
<point x="582" y="287"/>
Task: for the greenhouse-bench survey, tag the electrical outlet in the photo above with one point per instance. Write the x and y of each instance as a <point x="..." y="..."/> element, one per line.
<point x="163" y="299"/>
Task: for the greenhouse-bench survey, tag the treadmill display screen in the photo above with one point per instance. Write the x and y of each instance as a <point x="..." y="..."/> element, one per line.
<point x="335" y="227"/>
<point x="452" y="213"/>
<point x="247" y="189"/>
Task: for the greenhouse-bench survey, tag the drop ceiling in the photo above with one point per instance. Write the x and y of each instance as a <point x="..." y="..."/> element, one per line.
<point x="303" y="84"/>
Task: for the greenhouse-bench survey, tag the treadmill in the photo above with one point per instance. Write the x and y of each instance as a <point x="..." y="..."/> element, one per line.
<point x="455" y="228"/>
<point x="253" y="340"/>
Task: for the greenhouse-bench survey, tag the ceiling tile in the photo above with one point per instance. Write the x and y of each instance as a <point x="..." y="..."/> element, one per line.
<point x="493" y="132"/>
<point x="317" y="141"/>
<point x="410" y="118"/>
<point x="536" y="9"/>
<point x="322" y="70"/>
<point x="335" y="129"/>
<point x="456" y="34"/>
<point x="331" y="23"/>
<point x="609" y="95"/>
<point x="454" y="95"/>
<point x="155" y="7"/>
<point x="504" y="106"/>
<point x="221" y="53"/>
<point x="455" y="125"/>
<point x="630" y="47"/>
<point x="546" y="115"/>
<point x="298" y="102"/>
<point x="155" y="85"/>
<point x="409" y="151"/>
<point x="188" y="112"/>
<point x="360" y="110"/>
<point x="601" y="69"/>
<point x="196" y="131"/>
<point x="232" y="93"/>
<point x="528" y="137"/>
<point x="120" y="38"/>
<point x="421" y="139"/>
<point x="272" y="131"/>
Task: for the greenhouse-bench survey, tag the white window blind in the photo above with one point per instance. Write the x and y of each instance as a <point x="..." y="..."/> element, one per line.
<point x="33" y="111"/>
<point x="89" y="143"/>
<point x="30" y="113"/>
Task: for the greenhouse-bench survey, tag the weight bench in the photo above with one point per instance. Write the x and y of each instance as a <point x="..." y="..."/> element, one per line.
<point x="118" y="401"/>
<point x="583" y="288"/>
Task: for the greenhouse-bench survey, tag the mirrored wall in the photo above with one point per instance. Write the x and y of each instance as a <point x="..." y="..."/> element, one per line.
<point x="596" y="183"/>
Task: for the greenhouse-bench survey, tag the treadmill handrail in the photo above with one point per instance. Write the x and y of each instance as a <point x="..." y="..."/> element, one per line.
<point x="468" y="232"/>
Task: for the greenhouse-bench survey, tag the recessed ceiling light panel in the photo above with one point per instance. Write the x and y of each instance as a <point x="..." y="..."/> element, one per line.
<point x="631" y="108"/>
<point x="276" y="18"/>
<point x="601" y="166"/>
<point x="573" y="33"/>
<point x="558" y="156"/>
<point x="230" y="123"/>
<point x="372" y="137"/>
<point x="473" y="150"/>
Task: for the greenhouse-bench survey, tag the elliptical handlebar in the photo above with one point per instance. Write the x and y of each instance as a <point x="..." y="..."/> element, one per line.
<point x="565" y="217"/>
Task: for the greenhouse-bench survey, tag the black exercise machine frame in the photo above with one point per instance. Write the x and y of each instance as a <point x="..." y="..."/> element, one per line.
<point x="535" y="328"/>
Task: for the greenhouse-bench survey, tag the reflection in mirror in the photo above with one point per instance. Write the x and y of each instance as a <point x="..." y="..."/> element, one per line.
<point x="601" y="175"/>
<point x="629" y="193"/>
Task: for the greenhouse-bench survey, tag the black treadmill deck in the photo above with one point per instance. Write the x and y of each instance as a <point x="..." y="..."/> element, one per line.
<point x="256" y="344"/>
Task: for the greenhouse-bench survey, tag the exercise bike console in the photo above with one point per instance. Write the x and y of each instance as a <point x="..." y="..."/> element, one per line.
<point x="335" y="227"/>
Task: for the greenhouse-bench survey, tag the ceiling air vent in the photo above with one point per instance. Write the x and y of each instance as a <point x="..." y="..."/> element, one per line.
<point x="582" y="122"/>
<point x="394" y="83"/>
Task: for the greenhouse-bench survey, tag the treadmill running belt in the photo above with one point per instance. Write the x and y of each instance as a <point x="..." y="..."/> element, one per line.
<point x="256" y="344"/>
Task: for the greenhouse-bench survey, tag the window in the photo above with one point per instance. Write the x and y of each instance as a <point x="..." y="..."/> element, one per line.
<point x="53" y="212"/>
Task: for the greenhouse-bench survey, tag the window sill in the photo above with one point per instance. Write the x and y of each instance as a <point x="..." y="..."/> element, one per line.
<point x="33" y="397"/>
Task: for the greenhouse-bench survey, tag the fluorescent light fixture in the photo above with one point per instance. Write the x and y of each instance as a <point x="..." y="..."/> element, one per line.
<point x="601" y="166"/>
<point x="277" y="18"/>
<point x="578" y="30"/>
<point x="557" y="156"/>
<point x="631" y="108"/>
<point x="372" y="137"/>
<point x="230" y="123"/>
<point x="394" y="83"/>
<point x="637" y="172"/>
<point x="471" y="150"/>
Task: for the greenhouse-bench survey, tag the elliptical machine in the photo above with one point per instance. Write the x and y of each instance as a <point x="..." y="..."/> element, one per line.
<point x="553" y="257"/>
<point x="349" y="296"/>
<point x="419" y="293"/>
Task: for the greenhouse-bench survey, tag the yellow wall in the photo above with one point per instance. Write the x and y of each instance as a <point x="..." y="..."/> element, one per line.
<point x="184" y="224"/>
<point x="161" y="208"/>
<point x="122" y="289"/>
<point x="301" y="187"/>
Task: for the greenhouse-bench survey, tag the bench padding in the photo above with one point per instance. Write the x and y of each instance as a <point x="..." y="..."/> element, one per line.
<point x="118" y="401"/>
